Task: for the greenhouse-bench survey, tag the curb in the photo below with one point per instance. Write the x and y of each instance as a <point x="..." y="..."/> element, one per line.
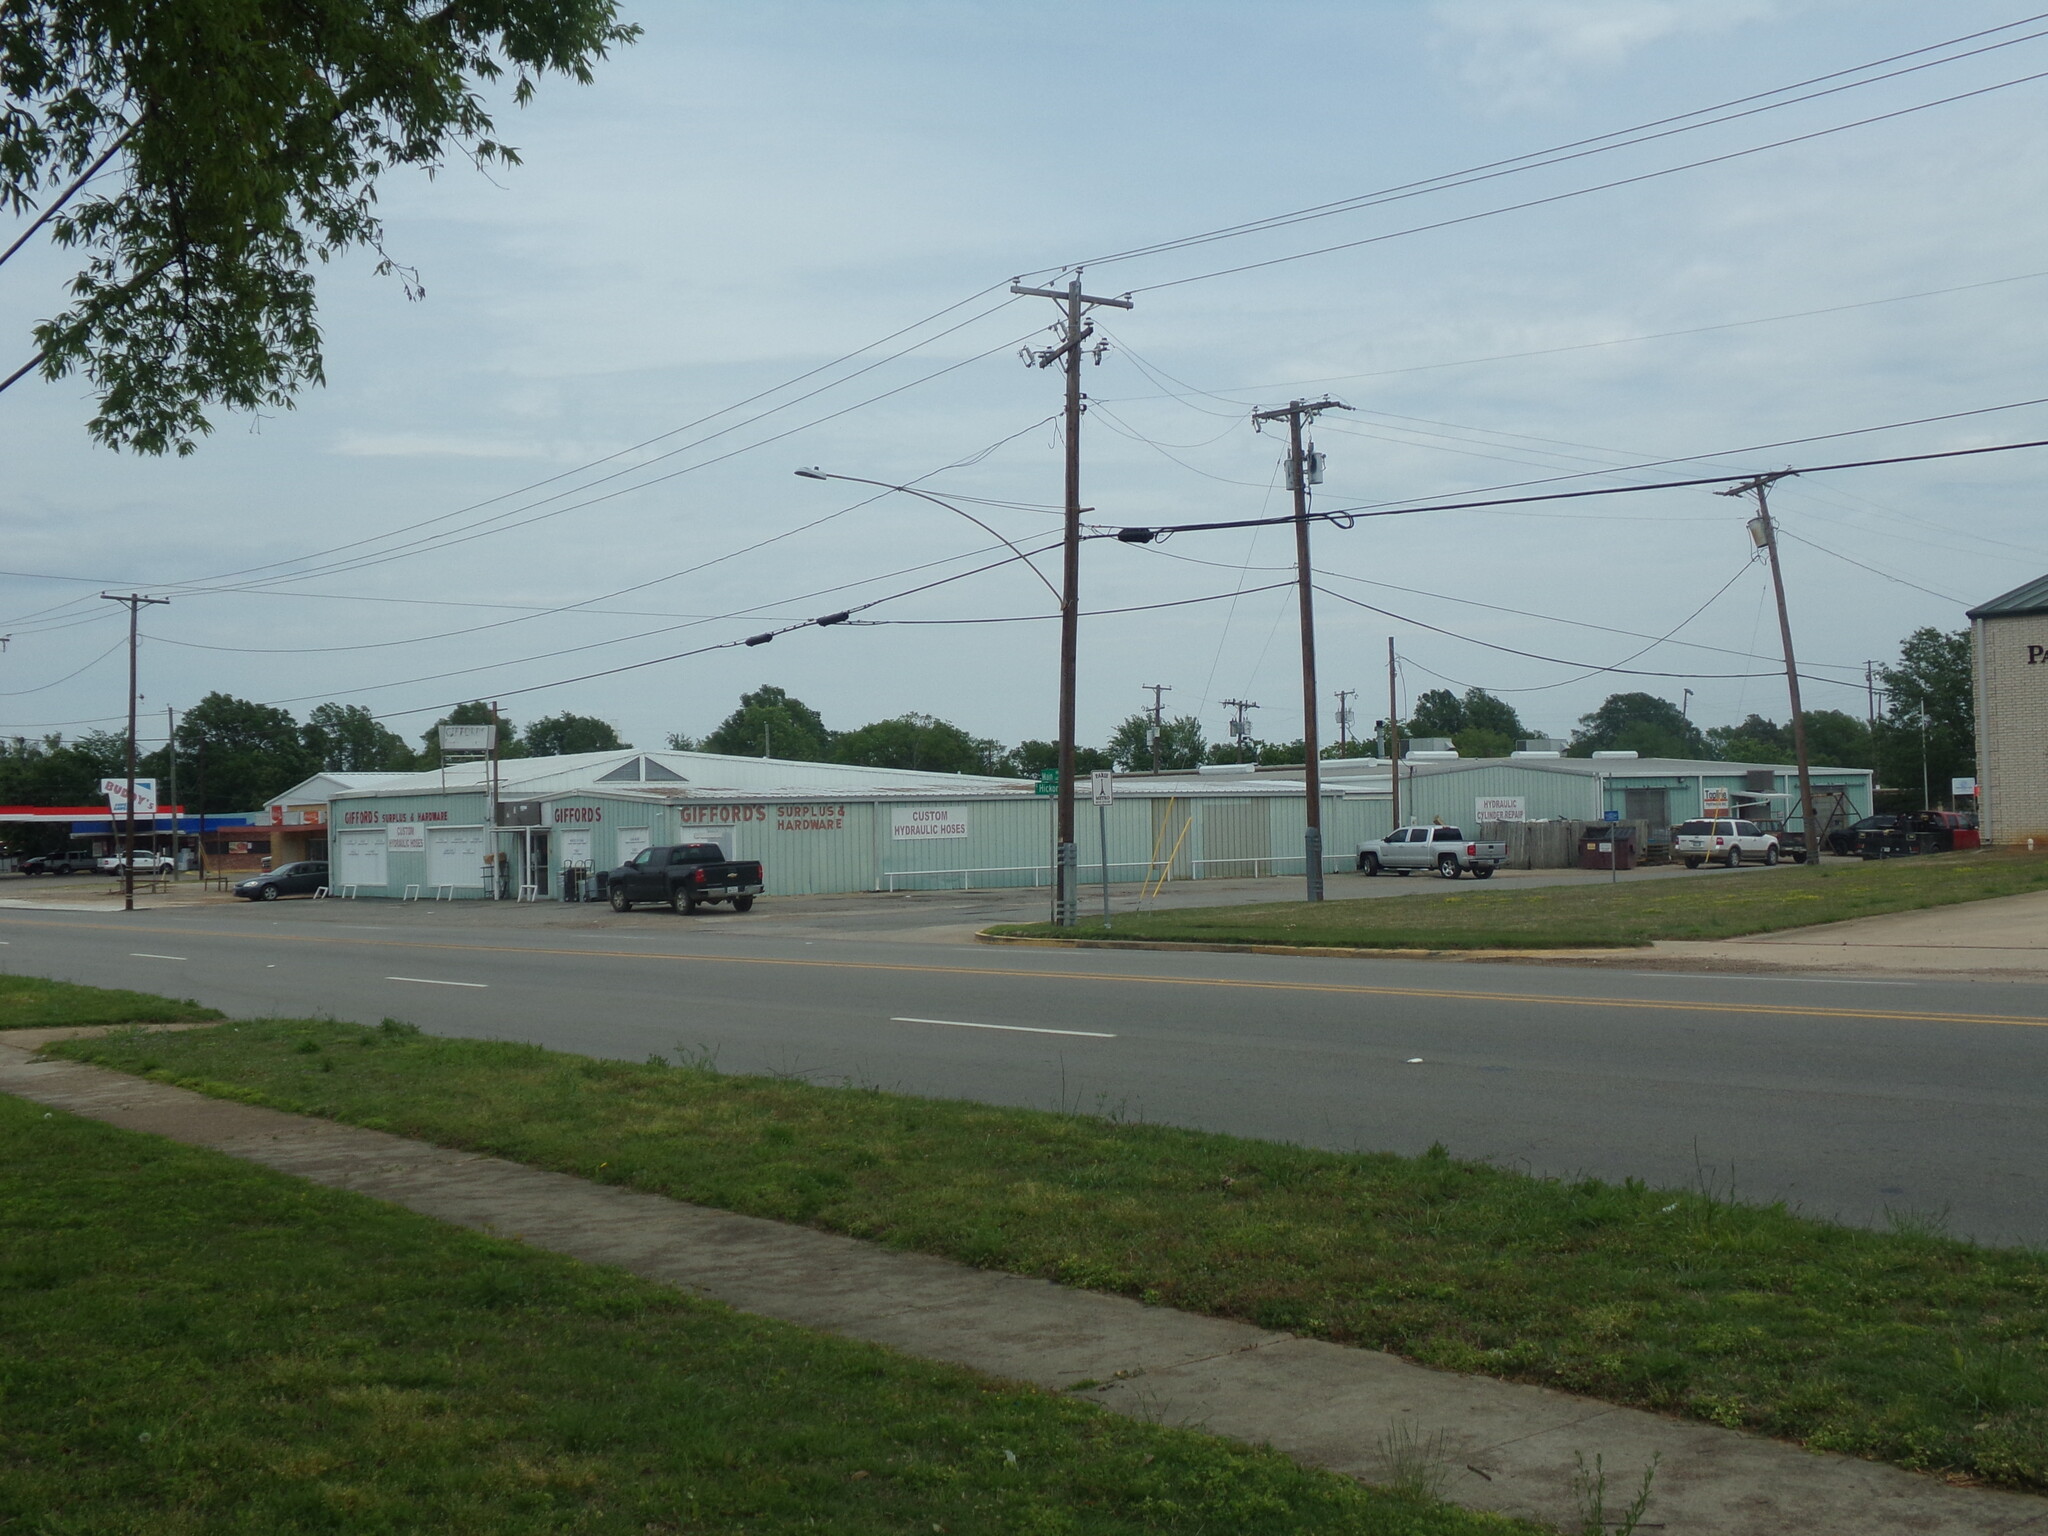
<point x="1320" y="951"/>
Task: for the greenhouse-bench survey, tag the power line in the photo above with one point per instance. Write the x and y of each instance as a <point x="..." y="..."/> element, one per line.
<point x="1576" y="192"/>
<point x="1343" y="516"/>
<point x="1576" y="149"/>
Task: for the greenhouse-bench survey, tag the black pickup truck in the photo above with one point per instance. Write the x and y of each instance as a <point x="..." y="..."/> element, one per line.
<point x="683" y="877"/>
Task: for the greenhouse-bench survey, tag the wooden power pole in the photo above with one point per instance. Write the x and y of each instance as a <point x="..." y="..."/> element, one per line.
<point x="1159" y="691"/>
<point x="1394" y="731"/>
<point x="1075" y="332"/>
<point x="1300" y="474"/>
<point x="136" y="603"/>
<point x="1764" y="533"/>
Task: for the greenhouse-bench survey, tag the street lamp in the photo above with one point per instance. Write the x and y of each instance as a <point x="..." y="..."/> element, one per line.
<point x="814" y="473"/>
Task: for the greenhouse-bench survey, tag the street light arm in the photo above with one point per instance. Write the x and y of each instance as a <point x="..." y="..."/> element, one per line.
<point x="819" y="474"/>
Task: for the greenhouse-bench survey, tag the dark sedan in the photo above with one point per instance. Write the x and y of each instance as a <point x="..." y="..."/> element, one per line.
<point x="301" y="879"/>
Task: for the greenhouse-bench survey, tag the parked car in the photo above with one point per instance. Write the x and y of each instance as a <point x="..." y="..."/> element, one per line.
<point x="300" y="879"/>
<point x="1724" y="840"/>
<point x="142" y="860"/>
<point x="1890" y="834"/>
<point x="1443" y="849"/>
<point x="685" y="876"/>
<point x="68" y="861"/>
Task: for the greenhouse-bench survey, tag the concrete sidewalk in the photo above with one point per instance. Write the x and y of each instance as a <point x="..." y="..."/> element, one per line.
<point x="2002" y="939"/>
<point x="1508" y="1447"/>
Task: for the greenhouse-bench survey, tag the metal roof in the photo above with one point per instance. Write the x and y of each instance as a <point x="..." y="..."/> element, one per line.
<point x="672" y="773"/>
<point x="2031" y="598"/>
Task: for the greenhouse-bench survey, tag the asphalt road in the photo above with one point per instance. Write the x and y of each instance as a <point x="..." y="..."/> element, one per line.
<point x="1859" y="1101"/>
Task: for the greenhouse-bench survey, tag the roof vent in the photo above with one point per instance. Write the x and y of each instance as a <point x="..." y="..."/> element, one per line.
<point x="1617" y="754"/>
<point x="1540" y="746"/>
<point x="1228" y="768"/>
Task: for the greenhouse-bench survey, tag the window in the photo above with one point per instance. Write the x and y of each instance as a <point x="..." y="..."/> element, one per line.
<point x="1748" y="829"/>
<point x="1448" y="835"/>
<point x="1724" y="829"/>
<point x="1696" y="829"/>
<point x="643" y="858"/>
<point x="1398" y="837"/>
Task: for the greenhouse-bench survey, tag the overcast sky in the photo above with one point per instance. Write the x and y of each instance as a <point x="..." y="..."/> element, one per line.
<point x="757" y="191"/>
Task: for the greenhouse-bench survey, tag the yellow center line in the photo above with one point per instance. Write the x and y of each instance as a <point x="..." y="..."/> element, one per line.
<point x="1351" y="989"/>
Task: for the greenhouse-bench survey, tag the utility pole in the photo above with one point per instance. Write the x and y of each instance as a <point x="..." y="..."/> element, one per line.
<point x="1237" y="727"/>
<point x="1685" y="707"/>
<point x="1158" y="713"/>
<point x="1304" y="467"/>
<point x="1074" y="334"/>
<point x="177" y="811"/>
<point x="1764" y="534"/>
<point x="136" y="603"/>
<point x="1394" y="730"/>
<point x="1870" y="695"/>
<point x="1344" y="718"/>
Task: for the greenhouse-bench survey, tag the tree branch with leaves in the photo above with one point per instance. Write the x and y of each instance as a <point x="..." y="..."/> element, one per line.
<point x="248" y="138"/>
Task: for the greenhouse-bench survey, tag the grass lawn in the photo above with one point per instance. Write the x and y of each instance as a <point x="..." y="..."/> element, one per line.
<point x="1708" y="904"/>
<point x="191" y="1344"/>
<point x="27" y="1002"/>
<point x="1901" y="1345"/>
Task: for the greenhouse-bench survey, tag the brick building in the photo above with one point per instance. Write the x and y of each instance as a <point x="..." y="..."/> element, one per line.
<point x="2009" y="673"/>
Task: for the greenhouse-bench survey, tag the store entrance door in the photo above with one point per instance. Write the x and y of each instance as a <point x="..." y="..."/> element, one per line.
<point x="535" y="871"/>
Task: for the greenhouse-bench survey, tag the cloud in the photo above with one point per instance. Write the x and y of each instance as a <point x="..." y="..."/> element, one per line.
<point x="1519" y="53"/>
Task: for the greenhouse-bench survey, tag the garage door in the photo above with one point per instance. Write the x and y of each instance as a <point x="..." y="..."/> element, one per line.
<point x="359" y="858"/>
<point x="455" y="856"/>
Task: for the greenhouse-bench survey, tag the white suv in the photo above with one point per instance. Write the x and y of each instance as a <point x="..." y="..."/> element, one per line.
<point x="1725" y="841"/>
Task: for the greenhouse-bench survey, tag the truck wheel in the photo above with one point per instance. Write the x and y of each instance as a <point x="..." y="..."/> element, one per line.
<point x="682" y="902"/>
<point x="1369" y="863"/>
<point x="1799" y="857"/>
<point x="1771" y="855"/>
<point x="1482" y="874"/>
<point x="743" y="903"/>
<point x="619" y="902"/>
<point x="1734" y="859"/>
<point x="1447" y="866"/>
<point x="1692" y="863"/>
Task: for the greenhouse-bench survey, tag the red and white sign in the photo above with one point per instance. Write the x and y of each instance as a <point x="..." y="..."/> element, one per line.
<point x="116" y="791"/>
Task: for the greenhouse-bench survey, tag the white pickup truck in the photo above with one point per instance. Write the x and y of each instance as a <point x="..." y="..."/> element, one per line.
<point x="1444" y="849"/>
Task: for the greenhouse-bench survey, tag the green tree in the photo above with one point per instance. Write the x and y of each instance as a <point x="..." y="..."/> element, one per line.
<point x="1028" y="758"/>
<point x="918" y="741"/>
<point x="247" y="139"/>
<point x="54" y="771"/>
<point x="1835" y="739"/>
<point x="1438" y="712"/>
<point x="679" y="742"/>
<point x="242" y="752"/>
<point x="1928" y="733"/>
<point x="347" y="737"/>
<point x="1755" y="740"/>
<point x="1181" y="744"/>
<point x="560" y="735"/>
<point x="1478" y="725"/>
<point x="769" y="723"/>
<point x="1637" y="722"/>
<point x="475" y="712"/>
